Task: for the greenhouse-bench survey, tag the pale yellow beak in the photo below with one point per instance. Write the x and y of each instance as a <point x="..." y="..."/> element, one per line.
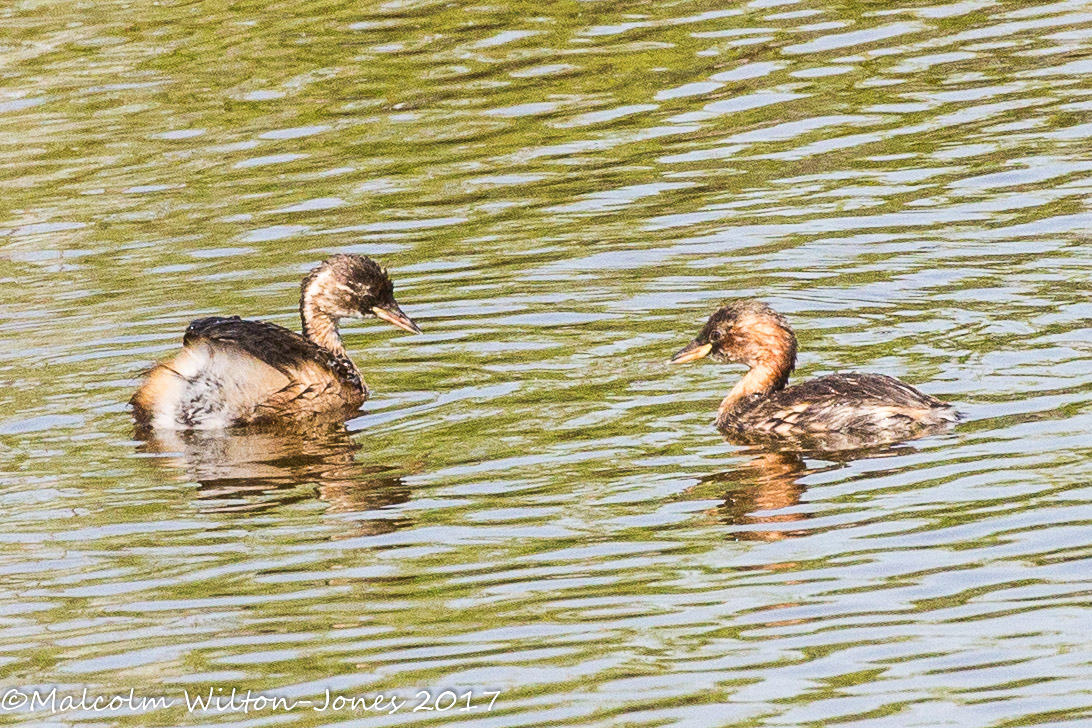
<point x="692" y="352"/>
<point x="395" y="317"/>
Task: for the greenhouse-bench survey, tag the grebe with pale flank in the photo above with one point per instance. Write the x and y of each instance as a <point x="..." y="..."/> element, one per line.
<point x="233" y="371"/>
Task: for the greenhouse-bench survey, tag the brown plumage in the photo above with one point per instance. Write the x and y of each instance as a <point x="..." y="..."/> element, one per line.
<point x="835" y="412"/>
<point x="234" y="372"/>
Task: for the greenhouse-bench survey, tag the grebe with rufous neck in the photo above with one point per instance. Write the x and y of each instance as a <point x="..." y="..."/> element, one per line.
<point x="836" y="412"/>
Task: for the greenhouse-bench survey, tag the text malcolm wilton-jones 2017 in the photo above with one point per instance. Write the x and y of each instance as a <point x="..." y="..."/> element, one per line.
<point x="220" y="700"/>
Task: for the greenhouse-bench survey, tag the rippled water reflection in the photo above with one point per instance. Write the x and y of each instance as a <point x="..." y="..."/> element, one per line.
<point x="534" y="501"/>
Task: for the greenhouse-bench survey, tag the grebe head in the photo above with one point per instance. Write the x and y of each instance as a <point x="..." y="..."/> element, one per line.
<point x="352" y="286"/>
<point x="744" y="332"/>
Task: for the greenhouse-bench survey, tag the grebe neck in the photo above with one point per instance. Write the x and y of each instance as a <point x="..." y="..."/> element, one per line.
<point x="760" y="380"/>
<point x="318" y="325"/>
<point x="769" y="373"/>
<point x="321" y="328"/>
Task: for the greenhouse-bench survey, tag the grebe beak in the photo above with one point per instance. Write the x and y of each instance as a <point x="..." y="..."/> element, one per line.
<point x="394" y="316"/>
<point x="691" y="352"/>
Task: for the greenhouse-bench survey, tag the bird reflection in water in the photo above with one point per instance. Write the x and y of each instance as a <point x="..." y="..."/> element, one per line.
<point x="765" y="490"/>
<point x="755" y="493"/>
<point x="255" y="469"/>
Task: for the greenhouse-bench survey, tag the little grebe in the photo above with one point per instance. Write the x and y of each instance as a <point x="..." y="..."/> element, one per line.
<point x="837" y="412"/>
<point x="235" y="372"/>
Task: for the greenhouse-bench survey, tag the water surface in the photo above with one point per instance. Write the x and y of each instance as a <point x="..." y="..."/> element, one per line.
<point x="534" y="502"/>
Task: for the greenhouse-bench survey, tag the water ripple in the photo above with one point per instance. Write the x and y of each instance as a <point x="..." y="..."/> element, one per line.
<point x="534" y="501"/>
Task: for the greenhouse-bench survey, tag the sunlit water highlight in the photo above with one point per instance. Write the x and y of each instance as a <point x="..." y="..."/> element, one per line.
<point x="534" y="501"/>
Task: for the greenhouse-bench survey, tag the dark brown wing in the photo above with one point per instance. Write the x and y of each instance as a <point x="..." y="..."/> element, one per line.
<point x="867" y="405"/>
<point x="858" y="388"/>
<point x="277" y="346"/>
